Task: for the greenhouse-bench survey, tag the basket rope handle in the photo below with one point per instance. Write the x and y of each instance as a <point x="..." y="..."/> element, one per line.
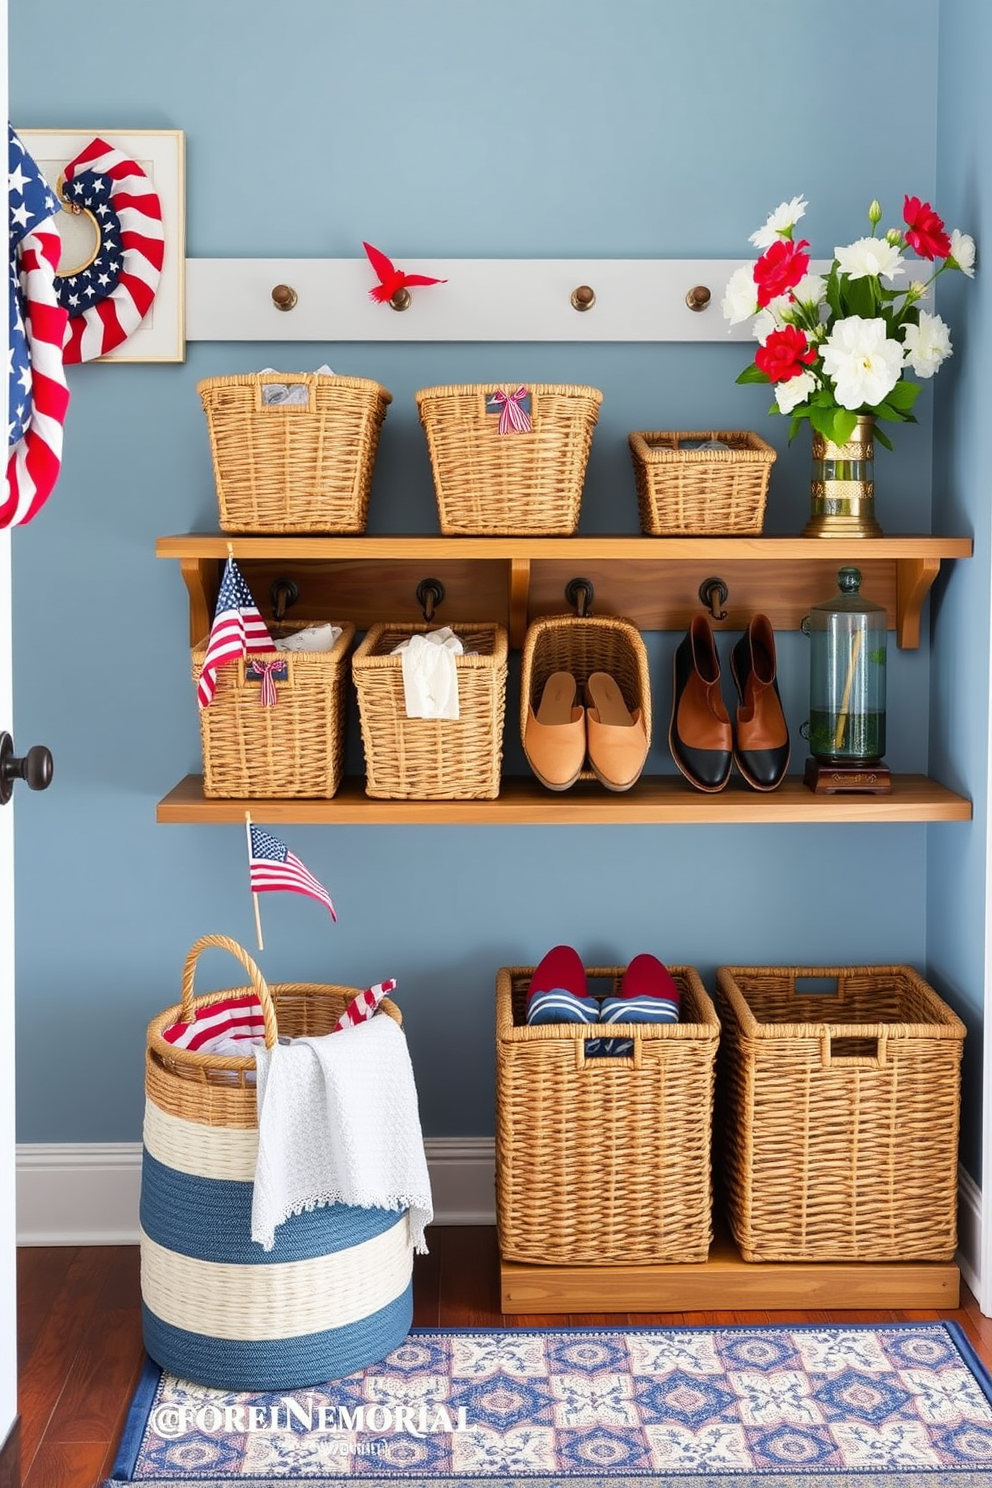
<point x="258" y="982"/>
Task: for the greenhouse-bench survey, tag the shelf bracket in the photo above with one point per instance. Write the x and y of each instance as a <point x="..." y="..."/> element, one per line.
<point x="914" y="579"/>
<point x="519" y="600"/>
<point x="201" y="577"/>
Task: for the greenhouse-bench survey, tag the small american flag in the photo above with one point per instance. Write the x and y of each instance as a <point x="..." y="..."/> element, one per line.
<point x="237" y="629"/>
<point x="272" y="866"/>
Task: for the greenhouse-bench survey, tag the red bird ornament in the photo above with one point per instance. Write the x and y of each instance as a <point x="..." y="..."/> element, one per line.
<point x="391" y="279"/>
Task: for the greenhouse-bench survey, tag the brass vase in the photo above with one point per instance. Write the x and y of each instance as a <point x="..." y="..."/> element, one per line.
<point x="842" y="486"/>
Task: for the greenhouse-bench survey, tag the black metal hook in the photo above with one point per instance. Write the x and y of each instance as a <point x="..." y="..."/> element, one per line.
<point x="710" y="588"/>
<point x="579" y="594"/>
<point x="283" y="593"/>
<point x="430" y="593"/>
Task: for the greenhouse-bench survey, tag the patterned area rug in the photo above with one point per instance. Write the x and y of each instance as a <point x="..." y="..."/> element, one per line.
<point x="904" y="1405"/>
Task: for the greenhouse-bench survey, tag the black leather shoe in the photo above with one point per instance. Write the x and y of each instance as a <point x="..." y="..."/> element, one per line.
<point x="700" y="736"/>
<point x="761" y="734"/>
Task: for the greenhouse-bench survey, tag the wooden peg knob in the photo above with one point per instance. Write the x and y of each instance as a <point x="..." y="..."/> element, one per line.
<point x="583" y="298"/>
<point x="284" y="297"/>
<point x="698" y="297"/>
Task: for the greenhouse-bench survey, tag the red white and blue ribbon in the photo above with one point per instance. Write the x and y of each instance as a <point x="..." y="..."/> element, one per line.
<point x="361" y="1008"/>
<point x="512" y="419"/>
<point x="38" y="396"/>
<point x="109" y="298"/>
<point x="268" y="695"/>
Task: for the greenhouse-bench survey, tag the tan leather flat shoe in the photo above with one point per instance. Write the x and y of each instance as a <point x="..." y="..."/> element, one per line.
<point x="616" y="738"/>
<point x="555" y="736"/>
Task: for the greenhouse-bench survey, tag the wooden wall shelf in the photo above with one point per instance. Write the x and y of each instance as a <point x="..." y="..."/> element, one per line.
<point x="652" y="581"/>
<point x="655" y="799"/>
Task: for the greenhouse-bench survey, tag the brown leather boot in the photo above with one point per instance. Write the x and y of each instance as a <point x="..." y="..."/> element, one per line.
<point x="761" y="734"/>
<point x="700" y="736"/>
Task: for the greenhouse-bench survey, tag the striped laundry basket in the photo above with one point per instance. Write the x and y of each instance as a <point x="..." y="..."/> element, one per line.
<point x="335" y="1293"/>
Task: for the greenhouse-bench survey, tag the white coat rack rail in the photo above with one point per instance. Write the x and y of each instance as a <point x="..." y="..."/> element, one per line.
<point x="483" y="299"/>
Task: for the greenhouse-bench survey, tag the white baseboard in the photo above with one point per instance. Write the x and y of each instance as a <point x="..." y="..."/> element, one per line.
<point x="86" y="1193"/>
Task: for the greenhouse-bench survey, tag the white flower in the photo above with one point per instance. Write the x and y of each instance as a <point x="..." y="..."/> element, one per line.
<point x="779" y="223"/>
<point x="963" y="252"/>
<point x="927" y="344"/>
<point x="811" y="290"/>
<point x="868" y="258"/>
<point x="772" y="318"/>
<point x="740" y="298"/>
<point x="863" y="363"/>
<point x="788" y="395"/>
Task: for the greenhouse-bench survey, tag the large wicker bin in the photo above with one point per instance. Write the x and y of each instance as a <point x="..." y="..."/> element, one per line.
<point x="685" y="492"/>
<point x="294" y="748"/>
<point x="422" y="759"/>
<point x="293" y="467"/>
<point x="334" y="1294"/>
<point x="604" y="1161"/>
<point x="527" y="483"/>
<point x="582" y="645"/>
<point x="839" y="1090"/>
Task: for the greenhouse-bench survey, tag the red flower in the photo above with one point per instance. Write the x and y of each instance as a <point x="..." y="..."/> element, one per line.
<point x="925" y="230"/>
<point x="780" y="268"/>
<point x="784" y="354"/>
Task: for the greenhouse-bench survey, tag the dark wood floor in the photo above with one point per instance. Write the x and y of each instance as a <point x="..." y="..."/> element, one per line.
<point x="80" y="1352"/>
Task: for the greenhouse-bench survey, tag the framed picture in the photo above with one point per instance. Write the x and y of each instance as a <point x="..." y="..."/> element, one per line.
<point x="161" y="334"/>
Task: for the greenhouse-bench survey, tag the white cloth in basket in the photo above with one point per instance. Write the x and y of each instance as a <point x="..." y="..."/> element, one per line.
<point x="338" y="1123"/>
<point x="430" y="676"/>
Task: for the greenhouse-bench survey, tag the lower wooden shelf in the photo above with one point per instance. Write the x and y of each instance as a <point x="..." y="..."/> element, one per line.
<point x="522" y="800"/>
<point x="725" y="1283"/>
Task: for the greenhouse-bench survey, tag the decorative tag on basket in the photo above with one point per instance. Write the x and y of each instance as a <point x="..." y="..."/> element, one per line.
<point x="267" y="673"/>
<point x="514" y="410"/>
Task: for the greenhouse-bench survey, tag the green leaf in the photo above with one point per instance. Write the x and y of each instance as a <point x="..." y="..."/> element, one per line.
<point x="904" y="395"/>
<point x="883" y="438"/>
<point x="752" y="373"/>
<point x="859" y="295"/>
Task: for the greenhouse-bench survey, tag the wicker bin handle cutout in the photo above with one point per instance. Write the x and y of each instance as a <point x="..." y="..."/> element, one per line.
<point x="618" y="1061"/>
<point x="258" y="982"/>
<point x="265" y="379"/>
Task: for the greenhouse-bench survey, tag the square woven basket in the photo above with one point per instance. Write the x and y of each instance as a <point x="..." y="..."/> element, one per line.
<point x="840" y="1093"/>
<point x="604" y="1161"/>
<point x="582" y="645"/>
<point x="421" y="759"/>
<point x="701" y="492"/>
<point x="293" y="467"/>
<point x="493" y="484"/>
<point x="294" y="748"/>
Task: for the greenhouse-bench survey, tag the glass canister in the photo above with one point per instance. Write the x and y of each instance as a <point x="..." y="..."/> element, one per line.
<point x="847" y="676"/>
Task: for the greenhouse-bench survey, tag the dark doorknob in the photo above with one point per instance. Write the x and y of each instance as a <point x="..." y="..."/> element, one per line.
<point x="35" y="767"/>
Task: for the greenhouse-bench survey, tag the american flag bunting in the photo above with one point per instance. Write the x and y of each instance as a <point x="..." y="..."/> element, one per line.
<point x="237" y="629"/>
<point x="272" y="867"/>
<point x="38" y="395"/>
<point x="361" y="1008"/>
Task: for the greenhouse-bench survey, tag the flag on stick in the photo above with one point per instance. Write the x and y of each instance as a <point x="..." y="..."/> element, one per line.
<point x="272" y="867"/>
<point x="361" y="1008"/>
<point x="237" y="629"/>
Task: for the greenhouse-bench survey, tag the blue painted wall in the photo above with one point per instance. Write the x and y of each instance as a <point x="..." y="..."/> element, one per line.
<point x="554" y="129"/>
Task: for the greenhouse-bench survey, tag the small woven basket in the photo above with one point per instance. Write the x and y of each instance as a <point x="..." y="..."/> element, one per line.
<point x="293" y="467"/>
<point x="582" y="645"/>
<point x="334" y="1294"/>
<point x="701" y="492"/>
<point x="604" y="1161"/>
<point x="841" y="1088"/>
<point x="294" y="748"/>
<point x="492" y="484"/>
<point x="423" y="759"/>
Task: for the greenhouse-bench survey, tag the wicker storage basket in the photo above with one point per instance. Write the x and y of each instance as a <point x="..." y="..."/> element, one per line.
<point x="423" y="759"/>
<point x="293" y="467"/>
<point x="701" y="492"/>
<point x="604" y="1160"/>
<point x="335" y="1292"/>
<point x="296" y="747"/>
<point x="489" y="483"/>
<point x="840" y="1113"/>
<point x="581" y="645"/>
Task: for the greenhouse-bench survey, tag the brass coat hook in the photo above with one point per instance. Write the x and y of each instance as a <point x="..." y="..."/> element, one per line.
<point x="284" y="297"/>
<point x="582" y="298"/>
<point x="713" y="592"/>
<point x="698" y="297"/>
<point x="284" y="593"/>
<point x="401" y="300"/>
<point x="430" y="593"/>
<point x="579" y="594"/>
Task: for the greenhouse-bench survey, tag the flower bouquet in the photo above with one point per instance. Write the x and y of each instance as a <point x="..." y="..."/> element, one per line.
<point x="837" y="347"/>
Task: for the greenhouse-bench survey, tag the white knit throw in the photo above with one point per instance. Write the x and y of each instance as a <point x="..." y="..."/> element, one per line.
<point x="338" y="1123"/>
